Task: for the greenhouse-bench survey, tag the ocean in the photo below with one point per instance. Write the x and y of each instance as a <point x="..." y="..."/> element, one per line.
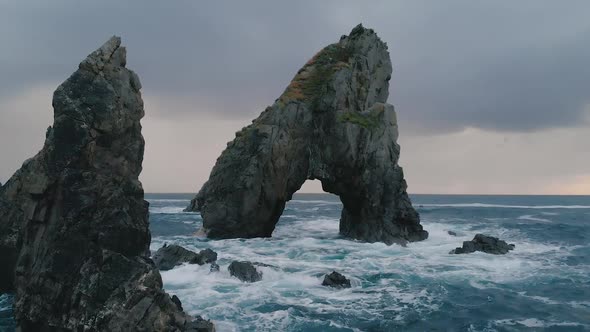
<point x="543" y="285"/>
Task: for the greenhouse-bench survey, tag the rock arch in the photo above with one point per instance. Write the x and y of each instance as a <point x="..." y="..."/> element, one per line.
<point x="333" y="124"/>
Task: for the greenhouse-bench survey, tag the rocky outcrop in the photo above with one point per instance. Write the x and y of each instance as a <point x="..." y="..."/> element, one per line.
<point x="333" y="124"/>
<point x="336" y="280"/>
<point x="245" y="271"/>
<point x="75" y="216"/>
<point x="487" y="244"/>
<point x="169" y="256"/>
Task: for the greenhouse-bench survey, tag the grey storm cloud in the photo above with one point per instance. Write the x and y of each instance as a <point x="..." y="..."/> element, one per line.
<point x="502" y="65"/>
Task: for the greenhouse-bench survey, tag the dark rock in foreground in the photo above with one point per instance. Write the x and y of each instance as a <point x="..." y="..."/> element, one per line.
<point x="332" y="123"/>
<point x="169" y="256"/>
<point x="487" y="244"/>
<point x="200" y="325"/>
<point x="245" y="271"/>
<point x="336" y="280"/>
<point x="11" y="219"/>
<point x="75" y="215"/>
<point x="176" y="301"/>
<point x="9" y="229"/>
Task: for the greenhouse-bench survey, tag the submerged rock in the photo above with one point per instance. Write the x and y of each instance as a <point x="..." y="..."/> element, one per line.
<point x="336" y="280"/>
<point x="75" y="217"/>
<point x="245" y="271"/>
<point x="169" y="256"/>
<point x="333" y="124"/>
<point x="487" y="244"/>
<point x="452" y="233"/>
<point x="205" y="257"/>
<point x="214" y="267"/>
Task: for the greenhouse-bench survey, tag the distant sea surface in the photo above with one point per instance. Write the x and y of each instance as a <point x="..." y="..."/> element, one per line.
<point x="543" y="285"/>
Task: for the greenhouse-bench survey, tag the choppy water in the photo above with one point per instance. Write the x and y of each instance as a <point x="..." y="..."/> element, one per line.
<point x="543" y="285"/>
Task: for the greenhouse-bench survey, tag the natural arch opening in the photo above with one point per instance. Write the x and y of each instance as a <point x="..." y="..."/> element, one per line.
<point x="310" y="213"/>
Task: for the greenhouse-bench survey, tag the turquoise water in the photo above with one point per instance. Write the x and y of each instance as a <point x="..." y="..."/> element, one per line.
<point x="543" y="285"/>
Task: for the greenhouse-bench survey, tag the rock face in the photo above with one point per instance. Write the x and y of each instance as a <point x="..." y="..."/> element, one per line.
<point x="244" y="271"/>
<point x="333" y="124"/>
<point x="9" y="230"/>
<point x="336" y="280"/>
<point x="75" y="218"/>
<point x="169" y="256"/>
<point x="487" y="244"/>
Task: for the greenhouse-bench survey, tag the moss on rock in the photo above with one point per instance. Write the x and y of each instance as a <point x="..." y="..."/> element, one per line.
<point x="368" y="120"/>
<point x="310" y="83"/>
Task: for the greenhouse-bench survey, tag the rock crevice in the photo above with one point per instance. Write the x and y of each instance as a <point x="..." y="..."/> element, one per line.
<point x="333" y="124"/>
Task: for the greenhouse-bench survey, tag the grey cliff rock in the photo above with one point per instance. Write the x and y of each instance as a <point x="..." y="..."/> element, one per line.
<point x="484" y="243"/>
<point x="333" y="124"/>
<point x="169" y="256"/>
<point x="73" y="218"/>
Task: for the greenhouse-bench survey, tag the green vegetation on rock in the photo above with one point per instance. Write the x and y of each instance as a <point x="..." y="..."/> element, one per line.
<point x="367" y="120"/>
<point x="310" y="83"/>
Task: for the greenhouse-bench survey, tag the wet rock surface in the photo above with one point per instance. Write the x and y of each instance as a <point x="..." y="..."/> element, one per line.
<point x="336" y="280"/>
<point x="75" y="219"/>
<point x="245" y="271"/>
<point x="333" y="124"/>
<point x="169" y="256"/>
<point x="484" y="243"/>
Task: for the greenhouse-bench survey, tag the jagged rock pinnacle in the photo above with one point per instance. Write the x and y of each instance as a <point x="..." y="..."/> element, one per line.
<point x="73" y="222"/>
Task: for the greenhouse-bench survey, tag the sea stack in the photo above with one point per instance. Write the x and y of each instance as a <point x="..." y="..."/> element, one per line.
<point x="74" y="216"/>
<point x="333" y="124"/>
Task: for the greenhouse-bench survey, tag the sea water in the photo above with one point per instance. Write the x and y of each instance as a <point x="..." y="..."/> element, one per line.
<point x="543" y="285"/>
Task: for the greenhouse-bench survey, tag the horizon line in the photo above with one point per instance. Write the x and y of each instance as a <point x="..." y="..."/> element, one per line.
<point x="435" y="194"/>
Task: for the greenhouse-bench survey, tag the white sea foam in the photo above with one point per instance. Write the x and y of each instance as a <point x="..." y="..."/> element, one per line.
<point x="304" y="249"/>
<point x="532" y="218"/>
<point x="167" y="209"/>
<point x="536" y="323"/>
<point x="483" y="205"/>
<point x="542" y="299"/>
<point x="549" y="213"/>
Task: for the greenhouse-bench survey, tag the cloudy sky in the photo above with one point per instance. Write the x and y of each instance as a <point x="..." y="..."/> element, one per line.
<point x="493" y="97"/>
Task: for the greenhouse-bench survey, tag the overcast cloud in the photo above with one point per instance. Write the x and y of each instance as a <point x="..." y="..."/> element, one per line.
<point x="501" y="69"/>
